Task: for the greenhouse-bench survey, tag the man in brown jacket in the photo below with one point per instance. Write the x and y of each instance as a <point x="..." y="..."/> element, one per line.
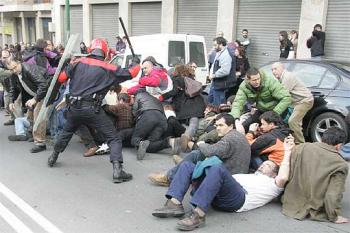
<point x="317" y="179"/>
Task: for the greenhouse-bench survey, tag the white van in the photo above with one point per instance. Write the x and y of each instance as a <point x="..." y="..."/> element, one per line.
<point x="168" y="50"/>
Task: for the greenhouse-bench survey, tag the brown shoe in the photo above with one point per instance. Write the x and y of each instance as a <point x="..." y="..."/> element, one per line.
<point x="159" y="179"/>
<point x="170" y="209"/>
<point x="191" y="222"/>
<point x="184" y="142"/>
<point x="177" y="159"/>
<point x="90" y="152"/>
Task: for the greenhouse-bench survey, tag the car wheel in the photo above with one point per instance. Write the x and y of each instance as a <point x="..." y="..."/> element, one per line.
<point x="323" y="122"/>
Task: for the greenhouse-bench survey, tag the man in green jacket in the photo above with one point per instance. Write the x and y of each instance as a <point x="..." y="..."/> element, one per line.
<point x="266" y="92"/>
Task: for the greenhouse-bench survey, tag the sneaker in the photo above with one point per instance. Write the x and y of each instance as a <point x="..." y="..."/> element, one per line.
<point x="38" y="148"/>
<point x="191" y="222"/>
<point x="103" y="149"/>
<point x="177" y="159"/>
<point x="141" y="151"/>
<point x="170" y="209"/>
<point x="90" y="152"/>
<point x="17" y="138"/>
<point x="184" y="142"/>
<point x="9" y="122"/>
<point x="159" y="179"/>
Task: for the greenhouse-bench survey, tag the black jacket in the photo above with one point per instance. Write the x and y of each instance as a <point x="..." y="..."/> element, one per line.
<point x="316" y="43"/>
<point x="185" y="107"/>
<point x="144" y="102"/>
<point x="34" y="77"/>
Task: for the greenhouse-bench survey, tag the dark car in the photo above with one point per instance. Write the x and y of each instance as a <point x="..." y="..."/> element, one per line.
<point x="329" y="82"/>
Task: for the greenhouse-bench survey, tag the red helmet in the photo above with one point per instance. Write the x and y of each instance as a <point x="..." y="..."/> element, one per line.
<point x="98" y="47"/>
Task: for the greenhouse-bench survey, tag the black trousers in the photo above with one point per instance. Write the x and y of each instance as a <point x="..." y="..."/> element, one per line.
<point x="151" y="125"/>
<point x="78" y="116"/>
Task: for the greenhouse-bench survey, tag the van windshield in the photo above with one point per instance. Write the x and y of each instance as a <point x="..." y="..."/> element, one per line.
<point x="197" y="53"/>
<point x="176" y="52"/>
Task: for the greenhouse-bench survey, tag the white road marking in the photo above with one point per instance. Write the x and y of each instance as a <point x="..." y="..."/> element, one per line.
<point x="33" y="214"/>
<point x="13" y="221"/>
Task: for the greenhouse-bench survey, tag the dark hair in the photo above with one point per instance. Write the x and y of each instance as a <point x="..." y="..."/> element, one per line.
<point x="272" y="117"/>
<point x="153" y="61"/>
<point x="245" y="30"/>
<point x="333" y="136"/>
<point x="241" y="51"/>
<point x="40" y="44"/>
<point x="221" y="40"/>
<point x="284" y="42"/>
<point x="184" y="71"/>
<point x="213" y="108"/>
<point x="252" y="71"/>
<point x="124" y="96"/>
<point x="229" y="120"/>
<point x="317" y="25"/>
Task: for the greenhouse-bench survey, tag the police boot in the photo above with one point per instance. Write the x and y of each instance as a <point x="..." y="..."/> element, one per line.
<point x="119" y="175"/>
<point x="53" y="158"/>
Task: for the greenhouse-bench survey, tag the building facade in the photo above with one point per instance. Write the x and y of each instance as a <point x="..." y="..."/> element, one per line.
<point x="263" y="18"/>
<point x="24" y="20"/>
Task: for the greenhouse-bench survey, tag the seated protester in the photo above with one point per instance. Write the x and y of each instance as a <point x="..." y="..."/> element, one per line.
<point x="217" y="187"/>
<point x="267" y="92"/>
<point x="233" y="150"/>
<point x="33" y="85"/>
<point x="188" y="110"/>
<point x="155" y="78"/>
<point x="317" y="179"/>
<point x="206" y="124"/>
<point x="123" y="118"/>
<point x="268" y="145"/>
<point x="151" y="124"/>
<point x="39" y="56"/>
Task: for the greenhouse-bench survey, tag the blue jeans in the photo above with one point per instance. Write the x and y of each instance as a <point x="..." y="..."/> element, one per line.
<point x="216" y="97"/>
<point x="21" y="125"/>
<point x="217" y="188"/>
<point x="193" y="157"/>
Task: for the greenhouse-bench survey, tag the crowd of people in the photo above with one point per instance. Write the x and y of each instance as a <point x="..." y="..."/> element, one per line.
<point x="238" y="149"/>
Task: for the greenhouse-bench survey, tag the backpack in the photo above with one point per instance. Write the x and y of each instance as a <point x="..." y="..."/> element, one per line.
<point x="192" y="87"/>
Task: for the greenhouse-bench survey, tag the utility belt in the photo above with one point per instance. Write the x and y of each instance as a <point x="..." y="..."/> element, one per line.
<point x="94" y="101"/>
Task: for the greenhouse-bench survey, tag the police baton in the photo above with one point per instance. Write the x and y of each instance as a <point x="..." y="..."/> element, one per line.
<point x="127" y="36"/>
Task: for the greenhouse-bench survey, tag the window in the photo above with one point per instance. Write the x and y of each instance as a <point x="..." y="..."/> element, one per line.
<point x="118" y="60"/>
<point x="176" y="53"/>
<point x="329" y="81"/>
<point x="129" y="60"/>
<point x="197" y="53"/>
<point x="310" y="75"/>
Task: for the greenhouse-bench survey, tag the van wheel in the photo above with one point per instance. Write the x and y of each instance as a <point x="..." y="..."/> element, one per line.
<point x="323" y="122"/>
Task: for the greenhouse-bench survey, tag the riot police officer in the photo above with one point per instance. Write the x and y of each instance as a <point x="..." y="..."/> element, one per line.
<point x="90" y="78"/>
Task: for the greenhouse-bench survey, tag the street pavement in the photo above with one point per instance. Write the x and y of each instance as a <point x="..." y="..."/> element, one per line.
<point x="77" y="195"/>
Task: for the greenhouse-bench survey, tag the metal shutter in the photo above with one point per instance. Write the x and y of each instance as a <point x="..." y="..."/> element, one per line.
<point x="264" y="20"/>
<point x="76" y="20"/>
<point x="105" y="22"/>
<point x="197" y="17"/>
<point x="145" y="18"/>
<point x="338" y="30"/>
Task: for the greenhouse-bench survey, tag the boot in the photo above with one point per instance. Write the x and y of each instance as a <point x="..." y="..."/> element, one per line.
<point x="53" y="158"/>
<point x="119" y="175"/>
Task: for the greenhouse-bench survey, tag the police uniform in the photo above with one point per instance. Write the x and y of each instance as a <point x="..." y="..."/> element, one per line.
<point x="90" y="78"/>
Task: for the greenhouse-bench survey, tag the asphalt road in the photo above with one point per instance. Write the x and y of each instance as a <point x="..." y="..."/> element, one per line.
<point x="78" y="196"/>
